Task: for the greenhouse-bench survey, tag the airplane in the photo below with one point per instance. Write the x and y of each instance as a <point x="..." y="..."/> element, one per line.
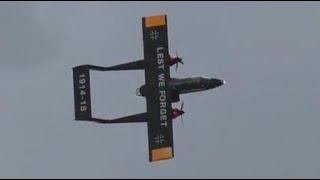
<point x="160" y="89"/>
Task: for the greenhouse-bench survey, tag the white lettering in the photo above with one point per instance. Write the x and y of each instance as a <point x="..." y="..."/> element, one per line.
<point x="163" y="104"/>
<point x="161" y="67"/>
<point x="83" y="108"/>
<point x="159" y="48"/>
<point x="162" y="96"/>
<point x="160" y="58"/>
<point x="82" y="92"/>
<point x="163" y="111"/>
<point x="161" y="80"/>
<point x="162" y="88"/>
<point x="163" y="118"/>
<point x="161" y="77"/>
<point x="82" y="81"/>
<point x="164" y="123"/>
<point x="83" y="103"/>
<point x="161" y="84"/>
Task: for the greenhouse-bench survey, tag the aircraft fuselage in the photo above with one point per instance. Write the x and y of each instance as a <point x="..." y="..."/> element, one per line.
<point x="179" y="86"/>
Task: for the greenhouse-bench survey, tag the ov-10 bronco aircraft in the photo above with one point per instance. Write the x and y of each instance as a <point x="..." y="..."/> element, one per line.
<point x="159" y="90"/>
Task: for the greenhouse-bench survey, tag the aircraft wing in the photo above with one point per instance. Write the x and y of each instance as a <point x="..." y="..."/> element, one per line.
<point x="157" y="75"/>
<point x="82" y="99"/>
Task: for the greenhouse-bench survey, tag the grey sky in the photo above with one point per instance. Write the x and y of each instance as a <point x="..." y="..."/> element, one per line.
<point x="263" y="123"/>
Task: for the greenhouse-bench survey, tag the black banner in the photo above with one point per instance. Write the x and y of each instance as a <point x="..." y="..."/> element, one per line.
<point x="82" y="98"/>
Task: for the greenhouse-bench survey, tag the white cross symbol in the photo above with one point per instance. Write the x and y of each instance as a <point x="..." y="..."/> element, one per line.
<point x="154" y="35"/>
<point x="159" y="139"/>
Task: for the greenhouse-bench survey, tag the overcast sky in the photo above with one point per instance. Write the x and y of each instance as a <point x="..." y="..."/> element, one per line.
<point x="264" y="123"/>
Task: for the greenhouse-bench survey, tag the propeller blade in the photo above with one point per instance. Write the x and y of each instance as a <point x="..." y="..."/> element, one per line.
<point x="177" y="67"/>
<point x="179" y="60"/>
<point x="181" y="107"/>
<point x="182" y="120"/>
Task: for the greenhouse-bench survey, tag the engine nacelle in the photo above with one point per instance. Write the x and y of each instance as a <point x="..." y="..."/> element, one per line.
<point x="175" y="97"/>
<point x="141" y="91"/>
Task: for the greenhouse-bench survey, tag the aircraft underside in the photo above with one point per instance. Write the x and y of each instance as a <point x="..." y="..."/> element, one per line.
<point x="160" y="90"/>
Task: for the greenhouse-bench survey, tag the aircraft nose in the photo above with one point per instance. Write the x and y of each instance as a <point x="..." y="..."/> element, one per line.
<point x="217" y="82"/>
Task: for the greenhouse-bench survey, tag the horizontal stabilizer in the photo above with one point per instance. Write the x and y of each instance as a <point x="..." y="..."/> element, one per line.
<point x="82" y="98"/>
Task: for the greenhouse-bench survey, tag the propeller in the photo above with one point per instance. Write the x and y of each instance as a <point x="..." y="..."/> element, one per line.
<point x="182" y="112"/>
<point x="179" y="60"/>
